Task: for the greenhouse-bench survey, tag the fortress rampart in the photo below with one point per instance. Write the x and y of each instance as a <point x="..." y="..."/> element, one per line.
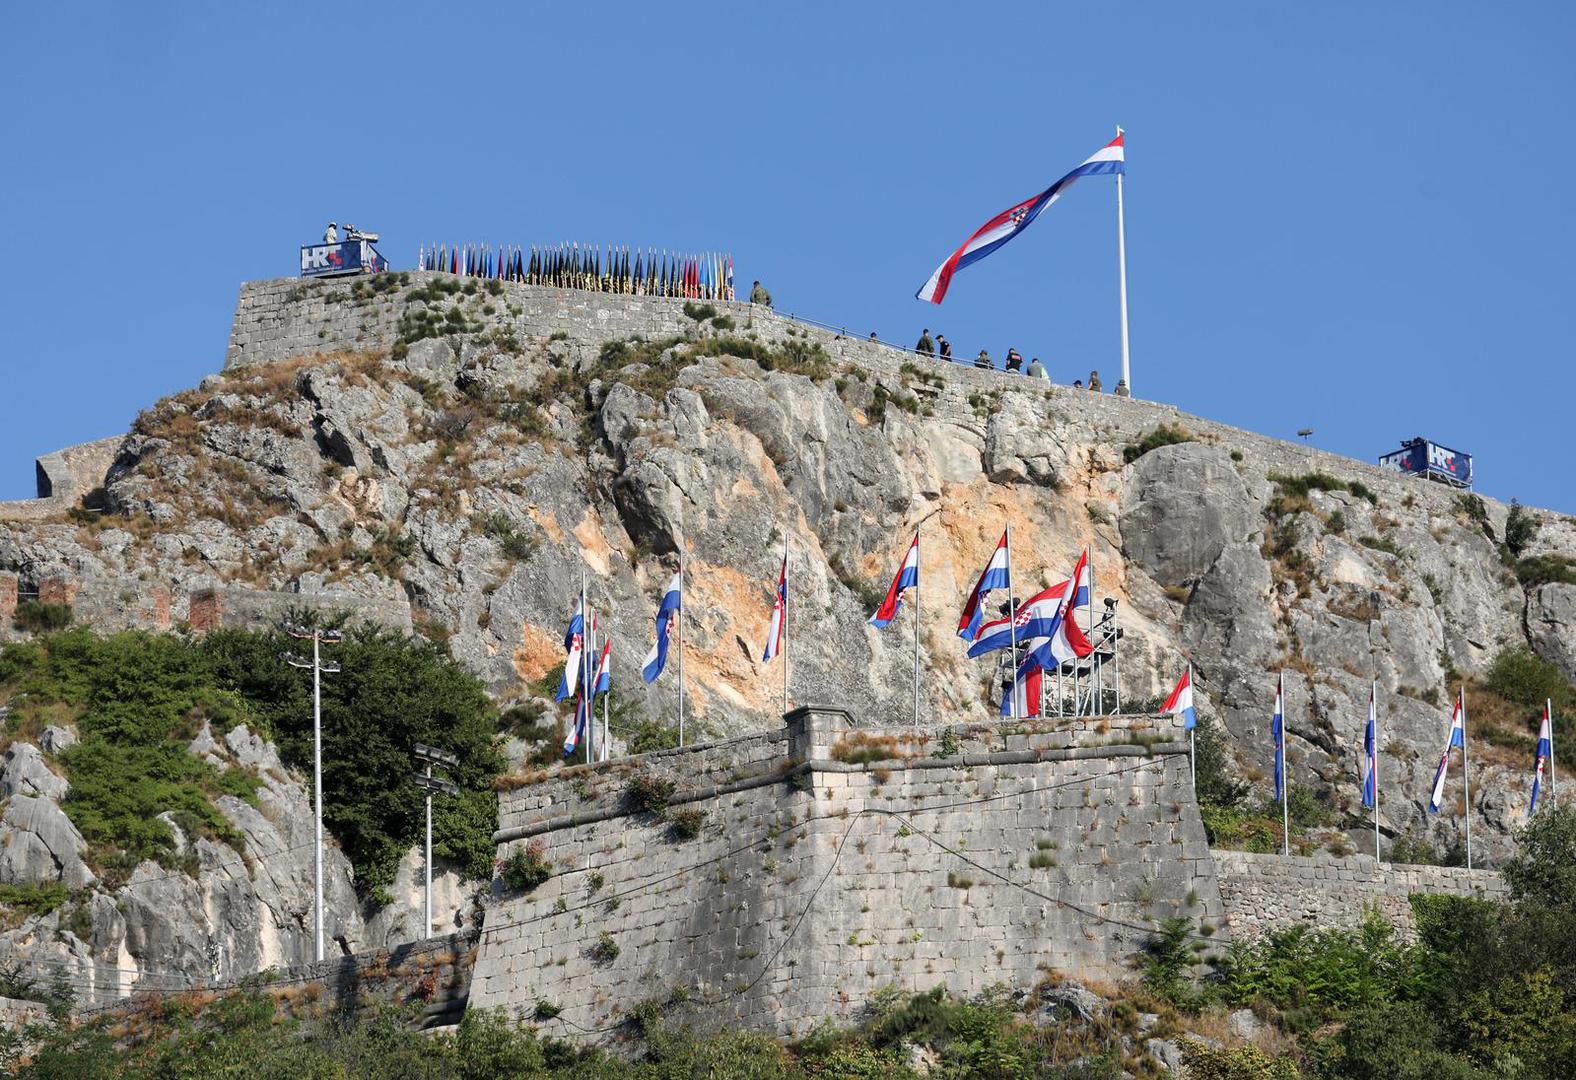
<point x="792" y="875"/>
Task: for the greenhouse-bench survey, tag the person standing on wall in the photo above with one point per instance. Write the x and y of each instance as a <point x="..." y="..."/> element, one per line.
<point x="925" y="347"/>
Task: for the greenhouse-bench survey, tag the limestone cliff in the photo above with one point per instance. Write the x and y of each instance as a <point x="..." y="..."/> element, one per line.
<point x="469" y="450"/>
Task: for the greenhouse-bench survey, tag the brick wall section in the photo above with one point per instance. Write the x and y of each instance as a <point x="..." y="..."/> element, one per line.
<point x="1264" y="893"/>
<point x="813" y="884"/>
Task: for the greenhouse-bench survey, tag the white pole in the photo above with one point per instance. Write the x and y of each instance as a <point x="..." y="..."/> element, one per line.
<point x="1012" y="629"/>
<point x="783" y="630"/>
<point x="317" y="797"/>
<point x="1466" y="774"/>
<point x="1121" y="274"/>
<point x="587" y="643"/>
<point x="679" y="615"/>
<point x="1548" y="707"/>
<point x="1192" y="749"/>
<point x="1285" y="772"/>
<point x="917" y="564"/>
<point x="426" y="926"/>
<point x="1375" y="692"/>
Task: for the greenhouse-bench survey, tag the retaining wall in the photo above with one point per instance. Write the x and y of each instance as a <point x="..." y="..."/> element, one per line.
<point x="1265" y="893"/>
<point x="996" y="854"/>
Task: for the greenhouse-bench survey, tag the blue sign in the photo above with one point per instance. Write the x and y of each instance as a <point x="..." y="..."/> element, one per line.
<point x="1421" y="457"/>
<point x="345" y="257"/>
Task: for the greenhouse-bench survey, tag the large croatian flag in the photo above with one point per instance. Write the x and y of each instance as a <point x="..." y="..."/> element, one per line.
<point x="774" y="632"/>
<point x="906" y="578"/>
<point x="1066" y="641"/>
<point x="1010" y="222"/>
<point x="996" y="575"/>
<point x="1458" y="737"/>
<point x="1545" y="752"/>
<point x="672" y="602"/>
<point x="1371" y="752"/>
<point x="1036" y="618"/>
<point x="1180" y="703"/>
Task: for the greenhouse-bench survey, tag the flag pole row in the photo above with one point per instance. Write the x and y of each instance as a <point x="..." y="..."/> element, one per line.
<point x="632" y="272"/>
<point x="1180" y="703"/>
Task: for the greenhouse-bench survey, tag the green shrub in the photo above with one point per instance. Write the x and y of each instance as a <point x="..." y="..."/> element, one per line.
<point x="686" y="824"/>
<point x="524" y="868"/>
<point x="1521" y="528"/>
<point x="699" y="312"/>
<point x="33" y="898"/>
<point x="1164" y="435"/>
<point x="649" y="793"/>
<point x="1522" y="676"/>
<point x="605" y="950"/>
<point x="1538" y="570"/>
<point x="1236" y="1063"/>
<point x="34" y="617"/>
<point x="516" y="545"/>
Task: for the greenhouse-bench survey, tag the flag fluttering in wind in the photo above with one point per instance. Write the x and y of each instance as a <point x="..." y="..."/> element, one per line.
<point x="906" y="578"/>
<point x="774" y="632"/>
<point x="582" y="724"/>
<point x="1066" y="641"/>
<point x="1278" y="731"/>
<point x="996" y="575"/>
<point x="574" y="643"/>
<point x="672" y="602"/>
<point x="1371" y="752"/>
<point x="990" y="236"/>
<point x="1458" y="737"/>
<point x="1036" y="618"/>
<point x="1180" y="703"/>
<point x="604" y="670"/>
<point x="1545" y="755"/>
<point x="1027" y="685"/>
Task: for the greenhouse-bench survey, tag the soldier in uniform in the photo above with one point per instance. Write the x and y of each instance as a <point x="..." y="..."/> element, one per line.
<point x="925" y="346"/>
<point x="983" y="360"/>
<point x="1094" y="381"/>
<point x="759" y="295"/>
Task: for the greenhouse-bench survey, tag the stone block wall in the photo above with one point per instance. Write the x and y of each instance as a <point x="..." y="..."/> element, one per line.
<point x="1265" y="893"/>
<point x="63" y="477"/>
<point x="996" y="854"/>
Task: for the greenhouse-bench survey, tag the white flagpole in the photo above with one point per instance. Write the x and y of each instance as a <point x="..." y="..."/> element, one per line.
<point x="1466" y="774"/>
<point x="679" y="616"/>
<point x="602" y="750"/>
<point x="783" y="630"/>
<point x="1374" y="689"/>
<point x="1012" y="628"/>
<point x="1548" y="707"/>
<point x="587" y="643"/>
<point x="1121" y="273"/>
<point x="917" y="557"/>
<point x="1192" y="748"/>
<point x="1284" y="771"/>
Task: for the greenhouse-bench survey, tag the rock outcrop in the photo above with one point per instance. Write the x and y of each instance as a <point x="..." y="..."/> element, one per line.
<point x="475" y="476"/>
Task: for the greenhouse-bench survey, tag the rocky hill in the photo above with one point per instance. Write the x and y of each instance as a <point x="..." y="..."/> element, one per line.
<point x="467" y="449"/>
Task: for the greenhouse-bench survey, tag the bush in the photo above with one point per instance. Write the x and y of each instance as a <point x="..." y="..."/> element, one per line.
<point x="1164" y="435"/>
<point x="524" y="868"/>
<point x="1538" y="570"/>
<point x="1522" y="676"/>
<point x="1521" y="528"/>
<point x="34" y="617"/>
<point x="686" y="824"/>
<point x="649" y="793"/>
<point x="1239" y="1063"/>
<point x="33" y="898"/>
<point x="606" y="950"/>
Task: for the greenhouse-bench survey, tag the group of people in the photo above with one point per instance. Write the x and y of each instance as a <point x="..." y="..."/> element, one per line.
<point x="574" y="266"/>
<point x="940" y="348"/>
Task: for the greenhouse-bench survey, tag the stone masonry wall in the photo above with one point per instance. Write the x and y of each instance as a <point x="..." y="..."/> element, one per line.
<point x="1265" y="893"/>
<point x="991" y="854"/>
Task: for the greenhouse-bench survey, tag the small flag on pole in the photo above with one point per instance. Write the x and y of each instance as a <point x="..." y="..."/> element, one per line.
<point x="1458" y="737"/>
<point x="774" y="632"/>
<point x="1544" y="754"/>
<point x="906" y="578"/>
<point x="573" y="643"/>
<point x="994" y="576"/>
<point x="1371" y="753"/>
<point x="1180" y="703"/>
<point x="672" y="601"/>
<point x="1278" y="731"/>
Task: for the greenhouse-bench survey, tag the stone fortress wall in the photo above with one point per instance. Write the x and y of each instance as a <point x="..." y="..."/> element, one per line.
<point x="832" y="861"/>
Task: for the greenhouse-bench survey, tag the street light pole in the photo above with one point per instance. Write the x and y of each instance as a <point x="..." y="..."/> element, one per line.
<point x="428" y="756"/>
<point x="319" y="637"/>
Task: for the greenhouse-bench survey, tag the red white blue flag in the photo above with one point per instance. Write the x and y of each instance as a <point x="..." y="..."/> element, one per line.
<point x="1545" y="754"/>
<point x="1036" y="618"/>
<point x="774" y="632"/>
<point x="1013" y="220"/>
<point x="996" y="575"/>
<point x="1066" y="641"/>
<point x="1180" y="703"/>
<point x="1458" y="737"/>
<point x="672" y="601"/>
<point x="1371" y="753"/>
<point x="906" y="578"/>
<point x="1278" y="733"/>
<point x="574" y="643"/>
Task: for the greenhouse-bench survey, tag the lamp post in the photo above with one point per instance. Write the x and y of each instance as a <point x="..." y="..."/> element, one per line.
<point x="428" y="756"/>
<point x="319" y="668"/>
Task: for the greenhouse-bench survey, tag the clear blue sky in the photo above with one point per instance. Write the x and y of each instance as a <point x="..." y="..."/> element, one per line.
<point x="1354" y="218"/>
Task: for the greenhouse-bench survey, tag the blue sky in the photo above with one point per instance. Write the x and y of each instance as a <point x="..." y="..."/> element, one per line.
<point x="1348" y="217"/>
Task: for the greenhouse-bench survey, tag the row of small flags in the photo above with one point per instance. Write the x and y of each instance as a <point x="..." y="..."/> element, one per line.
<point x="1180" y="704"/>
<point x="707" y="276"/>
